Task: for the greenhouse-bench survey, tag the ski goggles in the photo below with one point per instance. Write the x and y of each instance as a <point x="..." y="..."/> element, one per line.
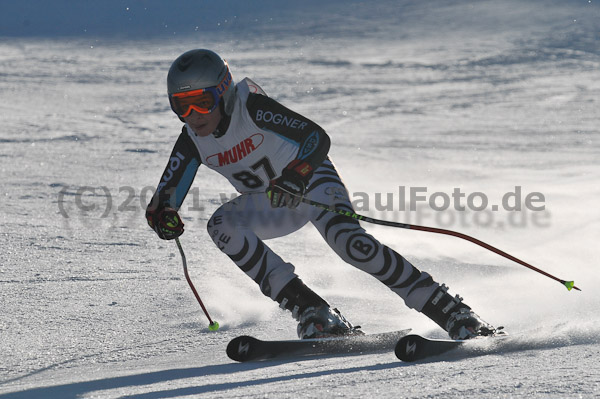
<point x="203" y="101"/>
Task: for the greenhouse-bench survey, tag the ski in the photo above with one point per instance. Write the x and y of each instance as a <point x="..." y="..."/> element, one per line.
<point x="246" y="348"/>
<point x="413" y="347"/>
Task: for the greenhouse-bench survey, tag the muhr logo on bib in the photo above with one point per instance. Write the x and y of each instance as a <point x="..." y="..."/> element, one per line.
<point x="237" y="152"/>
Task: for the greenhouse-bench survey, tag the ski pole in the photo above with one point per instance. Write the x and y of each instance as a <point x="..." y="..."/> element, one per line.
<point x="569" y="284"/>
<point x="213" y="326"/>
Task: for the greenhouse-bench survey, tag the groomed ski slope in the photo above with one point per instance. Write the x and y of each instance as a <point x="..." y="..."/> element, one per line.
<point x="488" y="97"/>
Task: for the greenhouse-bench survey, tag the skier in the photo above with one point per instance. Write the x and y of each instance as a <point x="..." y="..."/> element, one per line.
<point x="274" y="157"/>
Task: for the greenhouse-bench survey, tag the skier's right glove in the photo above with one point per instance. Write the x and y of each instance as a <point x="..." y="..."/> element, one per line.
<point x="165" y="222"/>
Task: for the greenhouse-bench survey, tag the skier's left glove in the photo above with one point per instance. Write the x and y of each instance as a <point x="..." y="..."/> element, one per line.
<point x="165" y="222"/>
<point x="288" y="189"/>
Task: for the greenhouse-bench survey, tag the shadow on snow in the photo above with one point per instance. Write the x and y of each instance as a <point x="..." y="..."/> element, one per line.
<point x="78" y="389"/>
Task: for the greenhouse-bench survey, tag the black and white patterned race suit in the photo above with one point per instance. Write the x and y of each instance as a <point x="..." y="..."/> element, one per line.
<point x="261" y="138"/>
<point x="240" y="226"/>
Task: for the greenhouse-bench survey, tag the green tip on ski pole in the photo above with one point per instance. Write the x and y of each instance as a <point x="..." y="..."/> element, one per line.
<point x="569" y="285"/>
<point x="214" y="326"/>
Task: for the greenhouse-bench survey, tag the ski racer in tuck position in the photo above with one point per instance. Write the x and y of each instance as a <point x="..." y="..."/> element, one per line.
<point x="274" y="157"/>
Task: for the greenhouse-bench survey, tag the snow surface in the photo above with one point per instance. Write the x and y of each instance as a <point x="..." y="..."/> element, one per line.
<point x="482" y="96"/>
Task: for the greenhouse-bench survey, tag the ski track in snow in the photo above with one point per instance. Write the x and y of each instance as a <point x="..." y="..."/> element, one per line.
<point x="484" y="97"/>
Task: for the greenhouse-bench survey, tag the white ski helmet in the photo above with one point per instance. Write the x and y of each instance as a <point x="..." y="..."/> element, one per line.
<point x="198" y="70"/>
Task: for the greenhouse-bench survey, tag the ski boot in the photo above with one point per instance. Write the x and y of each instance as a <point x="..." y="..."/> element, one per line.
<point x="456" y="317"/>
<point x="315" y="317"/>
<point x="324" y="322"/>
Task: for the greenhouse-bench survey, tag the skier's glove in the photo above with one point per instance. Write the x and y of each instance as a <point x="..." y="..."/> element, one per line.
<point x="288" y="189"/>
<point x="165" y="222"/>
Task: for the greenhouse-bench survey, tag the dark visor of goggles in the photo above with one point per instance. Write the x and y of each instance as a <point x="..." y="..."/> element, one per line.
<point x="203" y="101"/>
